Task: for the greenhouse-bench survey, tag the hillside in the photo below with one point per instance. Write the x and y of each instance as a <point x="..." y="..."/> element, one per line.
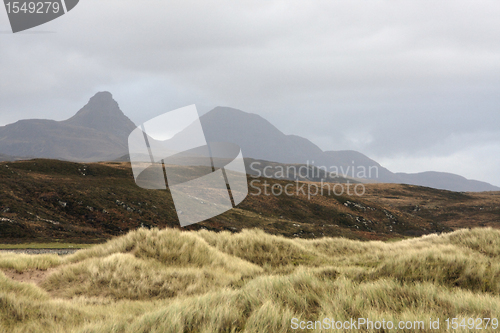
<point x="50" y="200"/>
<point x="172" y="281"/>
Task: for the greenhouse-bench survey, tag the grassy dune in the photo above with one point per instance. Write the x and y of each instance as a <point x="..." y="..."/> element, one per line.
<point x="174" y="281"/>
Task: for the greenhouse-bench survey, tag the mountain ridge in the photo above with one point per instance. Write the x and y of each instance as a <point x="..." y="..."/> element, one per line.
<point x="250" y="135"/>
<point x="99" y="132"/>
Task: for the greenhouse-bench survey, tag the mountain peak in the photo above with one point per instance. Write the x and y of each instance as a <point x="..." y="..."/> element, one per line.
<point x="99" y="104"/>
<point x="102" y="96"/>
<point x="103" y="113"/>
<point x="99" y="131"/>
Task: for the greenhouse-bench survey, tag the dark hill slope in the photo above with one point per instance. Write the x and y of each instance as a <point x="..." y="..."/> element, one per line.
<point x="56" y="200"/>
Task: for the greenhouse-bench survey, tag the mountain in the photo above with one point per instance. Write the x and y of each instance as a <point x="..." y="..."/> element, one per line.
<point x="103" y="114"/>
<point x="260" y="140"/>
<point x="257" y="137"/>
<point x="356" y="165"/>
<point x="99" y="131"/>
<point x="444" y="180"/>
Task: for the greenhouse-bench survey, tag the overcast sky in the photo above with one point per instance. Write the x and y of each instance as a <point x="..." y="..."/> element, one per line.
<point x="414" y="85"/>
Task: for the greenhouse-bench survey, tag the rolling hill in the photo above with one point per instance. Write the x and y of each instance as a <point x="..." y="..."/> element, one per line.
<point x="48" y="200"/>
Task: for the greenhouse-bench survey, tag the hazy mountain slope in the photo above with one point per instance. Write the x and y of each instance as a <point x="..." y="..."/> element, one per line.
<point x="356" y="165"/>
<point x="98" y="131"/>
<point x="259" y="139"/>
<point x="447" y="181"/>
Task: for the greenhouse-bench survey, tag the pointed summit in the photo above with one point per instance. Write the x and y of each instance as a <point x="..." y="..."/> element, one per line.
<point x="102" y="113"/>
<point x="98" y="132"/>
<point x="103" y="98"/>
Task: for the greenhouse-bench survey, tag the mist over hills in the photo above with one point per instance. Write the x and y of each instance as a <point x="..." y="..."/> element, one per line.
<point x="100" y="130"/>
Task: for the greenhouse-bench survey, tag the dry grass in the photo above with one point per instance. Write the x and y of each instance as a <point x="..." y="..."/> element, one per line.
<point x="173" y="281"/>
<point x="22" y="262"/>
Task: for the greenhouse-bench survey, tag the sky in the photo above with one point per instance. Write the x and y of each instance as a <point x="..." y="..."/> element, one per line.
<point x="414" y="85"/>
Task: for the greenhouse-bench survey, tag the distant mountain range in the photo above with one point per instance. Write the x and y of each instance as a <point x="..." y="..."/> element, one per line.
<point x="259" y="139"/>
<point x="100" y="130"/>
